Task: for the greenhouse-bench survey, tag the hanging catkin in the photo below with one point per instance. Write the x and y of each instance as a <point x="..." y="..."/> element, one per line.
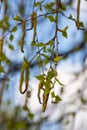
<point x="45" y="100"/>
<point x="34" y="24"/>
<point x="78" y="13"/>
<point x="24" y="77"/>
<point x="23" y="35"/>
<point x="27" y="76"/>
<point x="40" y="86"/>
<point x="1" y="47"/>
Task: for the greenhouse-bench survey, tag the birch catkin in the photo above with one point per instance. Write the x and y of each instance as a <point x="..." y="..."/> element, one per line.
<point x="24" y="68"/>
<point x="23" y="35"/>
<point x="40" y="86"/>
<point x="45" y="100"/>
<point x="78" y="13"/>
<point x="21" y="80"/>
<point x="34" y="23"/>
<point x="1" y="47"/>
<point x="27" y="76"/>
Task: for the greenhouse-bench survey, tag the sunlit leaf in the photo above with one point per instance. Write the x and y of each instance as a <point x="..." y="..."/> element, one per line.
<point x="58" y="58"/>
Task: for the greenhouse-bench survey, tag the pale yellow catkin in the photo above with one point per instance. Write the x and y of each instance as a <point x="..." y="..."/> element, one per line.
<point x="21" y="80"/>
<point x="23" y="35"/>
<point x="1" y="47"/>
<point x="40" y="86"/>
<point x="27" y="76"/>
<point x="78" y="13"/>
<point x="34" y="24"/>
<point x="45" y="100"/>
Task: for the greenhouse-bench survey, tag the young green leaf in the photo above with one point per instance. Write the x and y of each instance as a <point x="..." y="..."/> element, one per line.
<point x="11" y="37"/>
<point x="11" y="47"/>
<point x="17" y="18"/>
<point x="14" y="29"/>
<point x="58" y="58"/>
<point x="51" y="18"/>
<point x="71" y="17"/>
<point x="64" y="33"/>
